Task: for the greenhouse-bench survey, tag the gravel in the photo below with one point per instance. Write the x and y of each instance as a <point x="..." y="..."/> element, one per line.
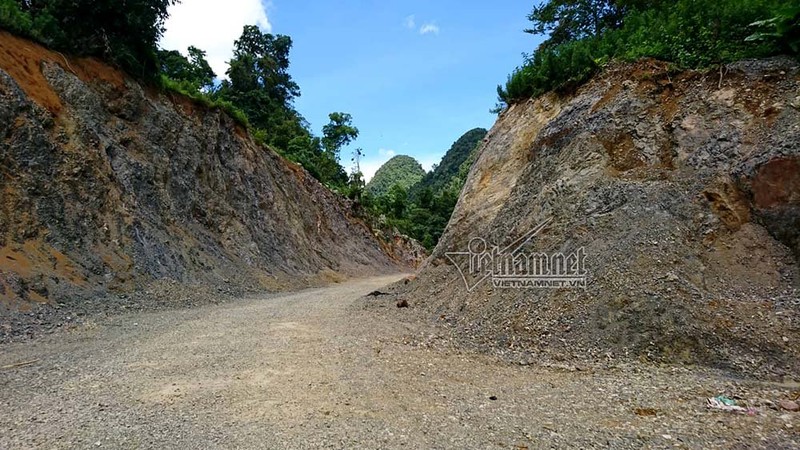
<point x="328" y="368"/>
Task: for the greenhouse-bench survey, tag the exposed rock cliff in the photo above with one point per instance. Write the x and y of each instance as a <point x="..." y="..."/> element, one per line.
<point x="684" y="191"/>
<point x="106" y="186"/>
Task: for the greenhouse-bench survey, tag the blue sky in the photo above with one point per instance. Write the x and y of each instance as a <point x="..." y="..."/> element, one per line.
<point x="415" y="75"/>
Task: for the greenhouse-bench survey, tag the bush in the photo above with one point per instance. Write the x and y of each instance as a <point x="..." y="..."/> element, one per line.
<point x="692" y="34"/>
<point x="14" y="19"/>
<point x="126" y="36"/>
<point x="189" y="89"/>
<point x="783" y="30"/>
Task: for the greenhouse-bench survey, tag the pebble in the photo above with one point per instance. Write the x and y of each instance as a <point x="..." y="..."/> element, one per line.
<point x="789" y="405"/>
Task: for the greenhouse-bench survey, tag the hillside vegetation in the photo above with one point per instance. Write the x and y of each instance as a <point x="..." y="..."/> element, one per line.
<point x="402" y="170"/>
<point x="438" y="179"/>
<point x="423" y="209"/>
<point x="584" y="35"/>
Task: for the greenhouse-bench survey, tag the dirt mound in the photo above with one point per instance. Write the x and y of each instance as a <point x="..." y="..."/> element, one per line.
<point x="683" y="192"/>
<point x="107" y="187"/>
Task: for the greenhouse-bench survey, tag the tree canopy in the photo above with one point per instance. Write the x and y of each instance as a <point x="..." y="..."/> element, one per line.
<point x="194" y="70"/>
<point x="439" y="178"/>
<point x="422" y="210"/>
<point x="570" y="20"/>
<point x="126" y="35"/>
<point x="402" y="171"/>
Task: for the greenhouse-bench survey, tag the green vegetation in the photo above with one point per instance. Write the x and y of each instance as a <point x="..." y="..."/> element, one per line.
<point x="125" y="35"/>
<point x="586" y="34"/>
<point x="422" y="210"/>
<point x="443" y="173"/>
<point x="783" y="29"/>
<point x="259" y="94"/>
<point x="403" y="171"/>
<point x="194" y="71"/>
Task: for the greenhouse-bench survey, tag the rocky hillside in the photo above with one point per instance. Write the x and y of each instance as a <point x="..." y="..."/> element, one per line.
<point x="684" y="192"/>
<point x="108" y="187"/>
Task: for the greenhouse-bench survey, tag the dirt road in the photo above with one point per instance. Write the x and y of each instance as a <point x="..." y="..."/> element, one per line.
<point x="314" y="369"/>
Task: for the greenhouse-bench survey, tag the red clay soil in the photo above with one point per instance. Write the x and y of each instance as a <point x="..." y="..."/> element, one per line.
<point x="22" y="59"/>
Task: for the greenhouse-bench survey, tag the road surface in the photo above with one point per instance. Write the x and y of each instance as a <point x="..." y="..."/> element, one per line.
<point x="315" y="369"/>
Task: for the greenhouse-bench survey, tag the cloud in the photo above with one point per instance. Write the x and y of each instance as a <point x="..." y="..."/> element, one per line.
<point x="371" y="164"/>
<point x="212" y="25"/>
<point x="429" y="28"/>
<point x="428" y="161"/>
<point x="368" y="169"/>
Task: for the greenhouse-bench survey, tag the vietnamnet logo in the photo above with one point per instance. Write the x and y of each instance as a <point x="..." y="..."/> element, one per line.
<point x="513" y="267"/>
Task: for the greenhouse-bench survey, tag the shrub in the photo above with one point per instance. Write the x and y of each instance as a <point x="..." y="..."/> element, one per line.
<point x="692" y="34"/>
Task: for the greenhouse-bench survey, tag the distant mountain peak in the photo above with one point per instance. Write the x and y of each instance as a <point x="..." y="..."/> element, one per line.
<point x="401" y="170"/>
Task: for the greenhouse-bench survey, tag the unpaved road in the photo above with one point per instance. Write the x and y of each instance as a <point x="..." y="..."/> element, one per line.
<point x="315" y="369"/>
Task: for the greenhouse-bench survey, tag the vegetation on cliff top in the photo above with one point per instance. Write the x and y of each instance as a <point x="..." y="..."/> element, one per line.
<point x="583" y="35"/>
<point x="125" y="35"/>
<point x="258" y="92"/>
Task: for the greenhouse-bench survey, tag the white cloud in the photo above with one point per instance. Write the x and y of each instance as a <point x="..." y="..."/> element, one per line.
<point x="411" y="22"/>
<point x="427" y="162"/>
<point x="212" y="25"/>
<point x="368" y="168"/>
<point x="370" y="164"/>
<point x="429" y="28"/>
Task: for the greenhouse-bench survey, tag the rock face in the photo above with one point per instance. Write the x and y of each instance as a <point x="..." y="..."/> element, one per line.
<point x="684" y="192"/>
<point x="106" y="186"/>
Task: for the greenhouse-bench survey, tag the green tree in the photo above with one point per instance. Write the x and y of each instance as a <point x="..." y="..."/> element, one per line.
<point x="338" y="133"/>
<point x="397" y="201"/>
<point x="124" y="34"/>
<point x="569" y="20"/>
<point x="424" y="212"/>
<point x="259" y="84"/>
<point x="586" y="34"/>
<point x="461" y="150"/>
<point x="194" y="70"/>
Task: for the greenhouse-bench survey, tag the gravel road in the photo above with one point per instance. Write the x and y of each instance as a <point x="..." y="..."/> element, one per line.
<point x="316" y="369"/>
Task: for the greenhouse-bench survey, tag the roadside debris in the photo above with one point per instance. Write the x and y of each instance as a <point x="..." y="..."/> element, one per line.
<point x="402" y="303"/>
<point x="20" y="364"/>
<point x="377" y="293"/>
<point x="645" y="411"/>
<point x="723" y="403"/>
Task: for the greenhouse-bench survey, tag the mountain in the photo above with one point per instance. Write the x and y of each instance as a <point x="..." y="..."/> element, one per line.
<point x="459" y="152"/>
<point x="110" y="188"/>
<point x="401" y="170"/>
<point x="676" y="196"/>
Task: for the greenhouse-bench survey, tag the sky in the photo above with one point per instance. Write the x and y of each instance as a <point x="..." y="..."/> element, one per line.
<point x="415" y="74"/>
